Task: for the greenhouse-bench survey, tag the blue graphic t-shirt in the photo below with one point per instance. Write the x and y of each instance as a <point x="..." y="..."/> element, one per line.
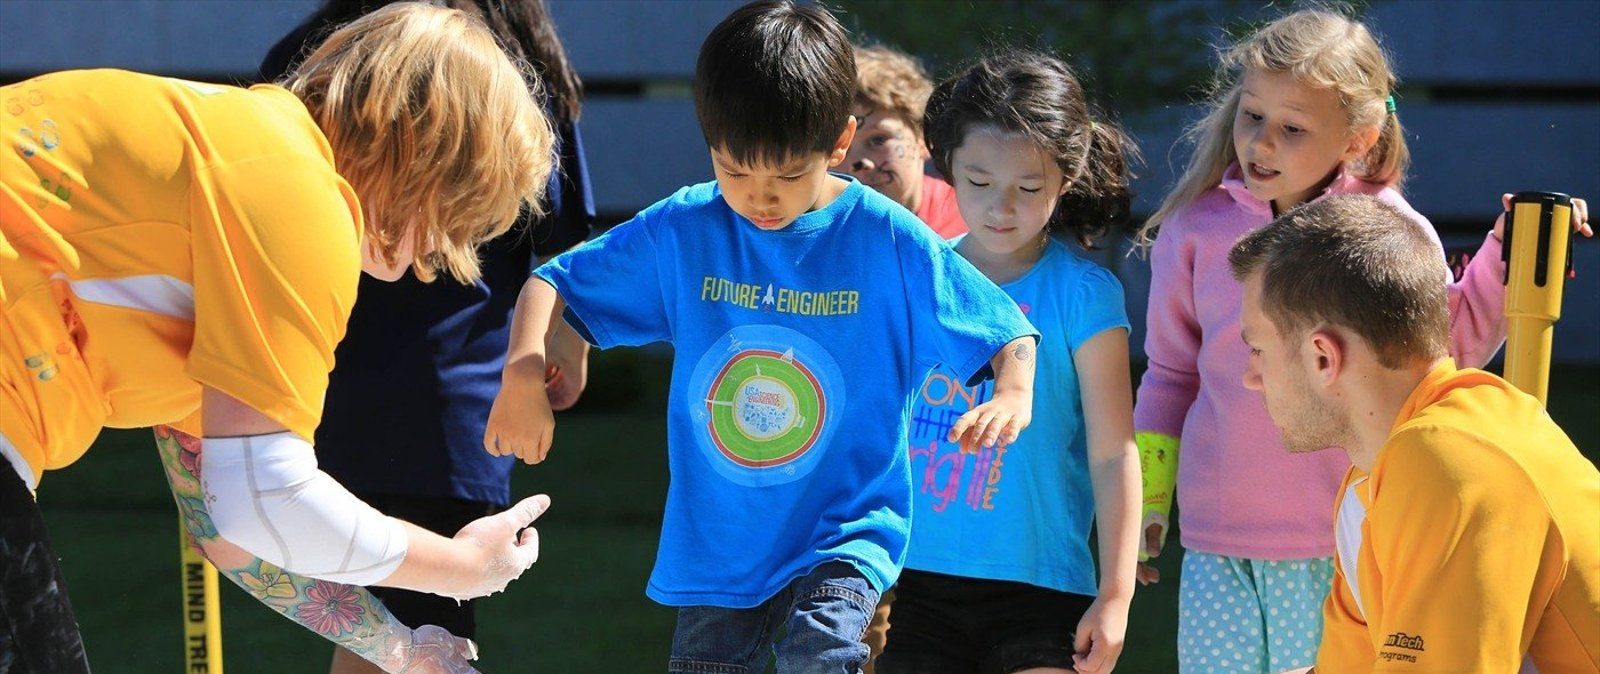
<point x="798" y="352"/>
<point x="1022" y="513"/>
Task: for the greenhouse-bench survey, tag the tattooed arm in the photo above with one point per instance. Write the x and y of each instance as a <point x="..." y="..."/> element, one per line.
<point x="344" y="614"/>
<point x="481" y="559"/>
<point x="1010" y="410"/>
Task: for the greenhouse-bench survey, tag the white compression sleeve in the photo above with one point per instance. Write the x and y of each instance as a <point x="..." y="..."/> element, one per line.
<point x="266" y="495"/>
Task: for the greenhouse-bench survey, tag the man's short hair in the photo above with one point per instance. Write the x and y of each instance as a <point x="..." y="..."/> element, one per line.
<point x="774" y="82"/>
<point x="892" y="82"/>
<point x="1356" y="262"/>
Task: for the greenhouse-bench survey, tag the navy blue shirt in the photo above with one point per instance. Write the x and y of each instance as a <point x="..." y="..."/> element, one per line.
<point x="420" y="365"/>
<point x="415" y="376"/>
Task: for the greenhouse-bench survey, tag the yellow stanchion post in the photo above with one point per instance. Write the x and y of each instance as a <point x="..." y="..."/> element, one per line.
<point x="202" y="611"/>
<point x="1538" y="256"/>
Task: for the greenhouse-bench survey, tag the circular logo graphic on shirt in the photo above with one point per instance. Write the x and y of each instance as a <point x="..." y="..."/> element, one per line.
<point x="764" y="408"/>
<point x="770" y="394"/>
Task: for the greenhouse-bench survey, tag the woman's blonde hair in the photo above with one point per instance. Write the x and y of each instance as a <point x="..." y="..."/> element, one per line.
<point x="438" y="131"/>
<point x="1320" y="49"/>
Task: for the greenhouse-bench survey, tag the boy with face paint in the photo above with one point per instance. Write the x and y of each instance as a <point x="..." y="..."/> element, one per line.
<point x="889" y="148"/>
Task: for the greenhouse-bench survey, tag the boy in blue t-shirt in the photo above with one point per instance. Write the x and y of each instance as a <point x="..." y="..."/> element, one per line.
<point x="805" y="310"/>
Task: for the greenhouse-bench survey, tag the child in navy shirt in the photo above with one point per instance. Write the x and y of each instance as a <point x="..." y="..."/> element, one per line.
<point x="804" y="309"/>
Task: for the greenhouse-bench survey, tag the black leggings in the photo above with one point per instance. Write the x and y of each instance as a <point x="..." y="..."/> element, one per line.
<point x="38" y="632"/>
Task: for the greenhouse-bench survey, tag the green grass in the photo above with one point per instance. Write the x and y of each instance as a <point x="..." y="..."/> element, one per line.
<point x="581" y="609"/>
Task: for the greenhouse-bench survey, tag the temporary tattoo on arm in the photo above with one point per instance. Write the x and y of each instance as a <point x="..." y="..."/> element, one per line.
<point x="1022" y="352"/>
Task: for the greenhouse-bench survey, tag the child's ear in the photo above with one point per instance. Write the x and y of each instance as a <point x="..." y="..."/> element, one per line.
<point x="841" y="147"/>
<point x="1361" y="142"/>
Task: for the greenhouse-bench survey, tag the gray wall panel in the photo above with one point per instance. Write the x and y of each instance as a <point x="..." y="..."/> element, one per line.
<point x="636" y="39"/>
<point x="1464" y="156"/>
<point x="642" y="150"/>
<point x="1479" y="42"/>
<point x="218" y="38"/>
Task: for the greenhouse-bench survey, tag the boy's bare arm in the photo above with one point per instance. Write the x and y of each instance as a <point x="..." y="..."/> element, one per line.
<point x="1010" y="410"/>
<point x="538" y="306"/>
<point x="566" y="367"/>
<point x="520" y="422"/>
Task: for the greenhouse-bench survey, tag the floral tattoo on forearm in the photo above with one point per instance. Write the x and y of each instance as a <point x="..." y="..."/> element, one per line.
<point x="344" y="614"/>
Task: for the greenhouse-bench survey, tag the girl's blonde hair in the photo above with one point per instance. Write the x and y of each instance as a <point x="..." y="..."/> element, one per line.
<point x="436" y="129"/>
<point x="1320" y="49"/>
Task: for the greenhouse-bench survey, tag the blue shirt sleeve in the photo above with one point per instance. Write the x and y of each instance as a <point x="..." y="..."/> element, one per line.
<point x="958" y="316"/>
<point x="1098" y="306"/>
<point x="612" y="286"/>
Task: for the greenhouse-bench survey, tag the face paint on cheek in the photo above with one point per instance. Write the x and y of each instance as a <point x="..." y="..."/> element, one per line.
<point x="899" y="147"/>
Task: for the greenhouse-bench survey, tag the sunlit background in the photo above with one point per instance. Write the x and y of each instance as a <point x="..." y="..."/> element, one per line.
<point x="1495" y="96"/>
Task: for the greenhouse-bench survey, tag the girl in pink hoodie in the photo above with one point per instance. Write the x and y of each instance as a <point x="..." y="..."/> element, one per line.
<point x="1305" y="110"/>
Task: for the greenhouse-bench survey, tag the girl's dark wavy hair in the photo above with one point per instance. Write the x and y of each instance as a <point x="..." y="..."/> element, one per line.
<point x="1039" y="97"/>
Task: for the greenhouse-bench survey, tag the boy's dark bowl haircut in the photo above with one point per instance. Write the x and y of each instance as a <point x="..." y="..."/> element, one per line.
<point x="774" y="82"/>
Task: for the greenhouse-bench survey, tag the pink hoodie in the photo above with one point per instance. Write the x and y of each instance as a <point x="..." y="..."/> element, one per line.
<point x="1241" y="493"/>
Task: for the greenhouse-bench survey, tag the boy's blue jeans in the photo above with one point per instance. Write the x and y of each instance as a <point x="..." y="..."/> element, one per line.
<point x="813" y="626"/>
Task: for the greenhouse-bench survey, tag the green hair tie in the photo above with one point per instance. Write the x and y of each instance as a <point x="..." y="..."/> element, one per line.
<point x="1388" y="104"/>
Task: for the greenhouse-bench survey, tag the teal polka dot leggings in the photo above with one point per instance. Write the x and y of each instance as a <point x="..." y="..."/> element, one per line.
<point x="1249" y="616"/>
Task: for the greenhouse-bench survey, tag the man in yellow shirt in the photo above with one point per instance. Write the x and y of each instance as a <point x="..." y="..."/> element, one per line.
<point x="181" y="253"/>
<point x="1467" y="528"/>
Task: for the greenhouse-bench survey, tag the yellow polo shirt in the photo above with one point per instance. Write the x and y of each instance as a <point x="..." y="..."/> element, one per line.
<point x="157" y="235"/>
<point x="1474" y="543"/>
